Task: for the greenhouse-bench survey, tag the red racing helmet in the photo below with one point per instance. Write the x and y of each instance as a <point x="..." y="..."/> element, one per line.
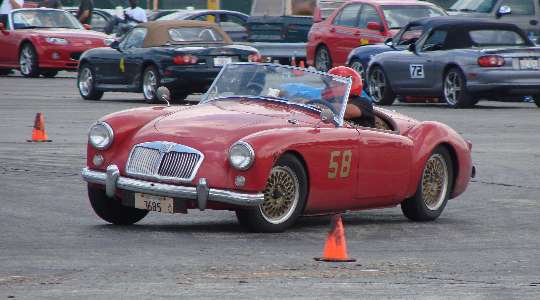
<point x="357" y="85"/>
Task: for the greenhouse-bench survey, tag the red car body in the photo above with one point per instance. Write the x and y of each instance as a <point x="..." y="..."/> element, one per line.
<point x="386" y="165"/>
<point x="52" y="57"/>
<point x="339" y="40"/>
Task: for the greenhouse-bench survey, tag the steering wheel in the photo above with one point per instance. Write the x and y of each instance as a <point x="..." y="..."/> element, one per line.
<point x="323" y="103"/>
<point x="207" y="32"/>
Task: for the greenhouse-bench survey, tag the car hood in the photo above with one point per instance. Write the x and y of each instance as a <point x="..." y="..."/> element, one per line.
<point x="69" y="34"/>
<point x="223" y="122"/>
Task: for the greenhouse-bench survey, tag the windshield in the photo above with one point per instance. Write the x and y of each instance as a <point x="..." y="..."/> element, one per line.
<point x="309" y="89"/>
<point x="494" y="37"/>
<point x="482" y="6"/>
<point x="44" y="18"/>
<point x="399" y="16"/>
<point x="195" y="34"/>
<point x="174" y="16"/>
<point x="268" y="8"/>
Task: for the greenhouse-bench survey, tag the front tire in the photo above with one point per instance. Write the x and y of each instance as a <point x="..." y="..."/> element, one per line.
<point x="110" y="209"/>
<point x="284" y="198"/>
<point x="357" y="65"/>
<point x="323" y="59"/>
<point x="150" y="83"/>
<point x="86" y="82"/>
<point x="455" y="92"/>
<point x="379" y="87"/>
<point x="433" y="190"/>
<point x="49" y="73"/>
<point x="28" y="61"/>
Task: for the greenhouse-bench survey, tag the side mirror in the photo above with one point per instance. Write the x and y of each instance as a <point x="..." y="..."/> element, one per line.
<point x="412" y="47"/>
<point x="375" y="26"/>
<point x="115" y="45"/>
<point x="2" y="27"/>
<point x="164" y="94"/>
<point x="317" y="15"/>
<point x="108" y="42"/>
<point x="87" y="26"/>
<point x="389" y="42"/>
<point x="504" y="10"/>
<point x="327" y="115"/>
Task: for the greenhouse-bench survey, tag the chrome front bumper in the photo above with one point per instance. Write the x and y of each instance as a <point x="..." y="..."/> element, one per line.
<point x="202" y="193"/>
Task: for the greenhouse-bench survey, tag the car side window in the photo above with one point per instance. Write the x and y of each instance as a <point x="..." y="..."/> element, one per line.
<point x="134" y="39"/>
<point x="369" y="14"/>
<point x="232" y="23"/>
<point x="435" y="41"/>
<point x="410" y="35"/>
<point x="348" y="16"/>
<point x="207" y="18"/>
<point x="519" y="7"/>
<point x="98" y="21"/>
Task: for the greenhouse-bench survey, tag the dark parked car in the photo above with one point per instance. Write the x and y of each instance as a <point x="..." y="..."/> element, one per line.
<point x="232" y="22"/>
<point x="184" y="56"/>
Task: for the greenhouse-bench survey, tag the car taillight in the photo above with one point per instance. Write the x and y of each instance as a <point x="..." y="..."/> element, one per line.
<point x="185" y="60"/>
<point x="491" y="61"/>
<point x="254" y="57"/>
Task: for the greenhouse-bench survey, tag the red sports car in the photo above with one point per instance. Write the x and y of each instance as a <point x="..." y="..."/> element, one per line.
<point x="358" y="23"/>
<point x="40" y="41"/>
<point x="270" y="142"/>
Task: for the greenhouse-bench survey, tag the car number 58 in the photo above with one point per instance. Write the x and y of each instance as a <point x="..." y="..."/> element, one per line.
<point x="340" y="164"/>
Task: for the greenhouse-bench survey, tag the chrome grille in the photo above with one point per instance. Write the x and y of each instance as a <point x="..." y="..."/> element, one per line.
<point x="164" y="161"/>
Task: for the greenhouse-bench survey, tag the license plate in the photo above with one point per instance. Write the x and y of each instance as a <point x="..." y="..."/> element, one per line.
<point x="154" y="203"/>
<point x="528" y="64"/>
<point x="221" y="61"/>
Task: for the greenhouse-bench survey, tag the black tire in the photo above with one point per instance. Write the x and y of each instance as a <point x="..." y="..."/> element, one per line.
<point x="357" y="65"/>
<point x="416" y="207"/>
<point x="179" y="97"/>
<point x="456" y="99"/>
<point x="379" y="87"/>
<point x="49" y="73"/>
<point x="323" y="59"/>
<point x="149" y="91"/>
<point x="28" y="61"/>
<point x="258" y="221"/>
<point x="111" y="210"/>
<point x="87" y="87"/>
<point x="537" y="100"/>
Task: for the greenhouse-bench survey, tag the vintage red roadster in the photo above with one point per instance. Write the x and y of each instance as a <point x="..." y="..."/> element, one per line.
<point x="270" y="142"/>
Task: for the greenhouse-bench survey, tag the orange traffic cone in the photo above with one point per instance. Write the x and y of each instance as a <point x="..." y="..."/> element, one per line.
<point x="38" y="133"/>
<point x="335" y="249"/>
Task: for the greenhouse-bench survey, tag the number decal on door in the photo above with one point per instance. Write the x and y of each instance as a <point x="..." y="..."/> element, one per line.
<point x="417" y="71"/>
<point x="338" y="158"/>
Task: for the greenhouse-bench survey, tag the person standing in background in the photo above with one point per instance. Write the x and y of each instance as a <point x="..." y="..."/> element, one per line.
<point x="9" y="5"/>
<point x="86" y="9"/>
<point x="57" y="4"/>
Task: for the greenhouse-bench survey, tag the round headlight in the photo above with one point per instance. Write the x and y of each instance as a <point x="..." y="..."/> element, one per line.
<point x="101" y="136"/>
<point x="241" y="156"/>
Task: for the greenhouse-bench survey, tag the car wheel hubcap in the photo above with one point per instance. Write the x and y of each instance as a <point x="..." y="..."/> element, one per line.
<point x="323" y="60"/>
<point x="149" y="85"/>
<point x="85" y="82"/>
<point x="452" y="88"/>
<point x="357" y="66"/>
<point x="377" y="84"/>
<point x="435" y="182"/>
<point x="281" y="195"/>
<point x="26" y="60"/>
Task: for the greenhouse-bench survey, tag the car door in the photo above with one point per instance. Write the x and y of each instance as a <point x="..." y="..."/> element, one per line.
<point x="369" y="14"/>
<point x="384" y="167"/>
<point x="110" y="65"/>
<point x="234" y="26"/>
<point x="133" y="56"/>
<point x="344" y="33"/>
<point x="523" y="14"/>
<point x="9" y="43"/>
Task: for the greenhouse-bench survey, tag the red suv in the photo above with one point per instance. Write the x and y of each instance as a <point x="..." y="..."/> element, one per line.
<point x="358" y="23"/>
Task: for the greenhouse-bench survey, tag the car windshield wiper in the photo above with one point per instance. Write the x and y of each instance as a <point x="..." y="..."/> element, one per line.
<point x="33" y="27"/>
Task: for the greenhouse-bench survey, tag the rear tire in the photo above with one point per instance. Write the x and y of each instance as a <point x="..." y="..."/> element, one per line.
<point x="284" y="198"/>
<point x="111" y="210"/>
<point x="179" y="97"/>
<point x="323" y="59"/>
<point x="379" y="87"/>
<point x="537" y="100"/>
<point x="150" y="82"/>
<point x="433" y="190"/>
<point x="28" y="61"/>
<point x="86" y="83"/>
<point x="455" y="92"/>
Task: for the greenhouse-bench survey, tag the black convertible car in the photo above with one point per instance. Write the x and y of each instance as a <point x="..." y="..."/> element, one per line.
<point x="184" y="56"/>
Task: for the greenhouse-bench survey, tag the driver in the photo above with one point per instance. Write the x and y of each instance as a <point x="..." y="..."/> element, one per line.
<point x="359" y="108"/>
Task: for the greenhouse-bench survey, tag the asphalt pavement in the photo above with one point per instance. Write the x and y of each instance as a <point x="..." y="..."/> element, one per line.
<point x="486" y="245"/>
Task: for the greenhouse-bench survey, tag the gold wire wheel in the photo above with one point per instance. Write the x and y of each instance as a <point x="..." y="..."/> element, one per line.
<point x="435" y="182"/>
<point x="281" y="195"/>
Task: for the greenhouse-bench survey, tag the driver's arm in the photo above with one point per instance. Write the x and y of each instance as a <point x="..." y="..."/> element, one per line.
<point x="352" y="112"/>
<point x="15" y="4"/>
<point x="84" y="16"/>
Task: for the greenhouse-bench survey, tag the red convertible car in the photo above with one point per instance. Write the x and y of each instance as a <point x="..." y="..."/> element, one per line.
<point x="270" y="142"/>
<point x="40" y="41"/>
